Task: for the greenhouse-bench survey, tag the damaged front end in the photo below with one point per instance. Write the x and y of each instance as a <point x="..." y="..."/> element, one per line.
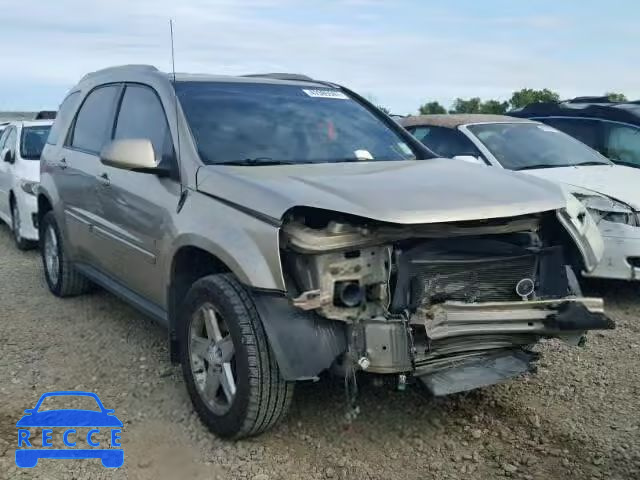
<point x="458" y="305"/>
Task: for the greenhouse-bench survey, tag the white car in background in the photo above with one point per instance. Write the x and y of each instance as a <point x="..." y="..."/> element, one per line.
<point x="21" y="144"/>
<point x="610" y="192"/>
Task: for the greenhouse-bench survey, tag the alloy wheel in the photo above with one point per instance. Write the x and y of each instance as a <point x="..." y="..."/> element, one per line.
<point x="52" y="254"/>
<point x="211" y="354"/>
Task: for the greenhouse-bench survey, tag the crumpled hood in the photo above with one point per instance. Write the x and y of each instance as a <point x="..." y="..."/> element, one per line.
<point x="615" y="181"/>
<point x="424" y="191"/>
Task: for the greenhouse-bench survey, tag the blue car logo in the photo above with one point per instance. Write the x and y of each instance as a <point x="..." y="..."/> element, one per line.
<point x="28" y="453"/>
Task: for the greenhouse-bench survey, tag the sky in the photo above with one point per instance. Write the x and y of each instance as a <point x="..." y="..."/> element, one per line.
<point x="401" y="53"/>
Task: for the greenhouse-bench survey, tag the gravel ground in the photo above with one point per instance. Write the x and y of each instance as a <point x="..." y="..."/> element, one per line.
<point x="578" y="418"/>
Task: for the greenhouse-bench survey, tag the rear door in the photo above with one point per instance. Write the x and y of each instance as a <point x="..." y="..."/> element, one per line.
<point x="137" y="207"/>
<point x="76" y="169"/>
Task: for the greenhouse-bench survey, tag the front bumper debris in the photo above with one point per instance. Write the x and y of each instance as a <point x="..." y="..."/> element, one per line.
<point x="479" y="371"/>
<point x="457" y="346"/>
<point x="539" y="317"/>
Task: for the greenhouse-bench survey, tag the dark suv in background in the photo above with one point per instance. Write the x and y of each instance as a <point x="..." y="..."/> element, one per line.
<point x="611" y="128"/>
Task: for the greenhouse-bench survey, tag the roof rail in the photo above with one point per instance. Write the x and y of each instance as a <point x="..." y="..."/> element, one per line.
<point x="590" y="99"/>
<point x="281" y="76"/>
<point x="133" y="67"/>
<point x="46" y="115"/>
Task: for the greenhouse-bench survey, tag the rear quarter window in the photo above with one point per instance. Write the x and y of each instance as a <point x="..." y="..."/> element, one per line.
<point x="65" y="114"/>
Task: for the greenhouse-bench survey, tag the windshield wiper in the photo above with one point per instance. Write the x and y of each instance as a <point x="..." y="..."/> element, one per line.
<point x="540" y="165"/>
<point x="627" y="164"/>
<point x="583" y="164"/>
<point x="259" y="161"/>
<point x="364" y="160"/>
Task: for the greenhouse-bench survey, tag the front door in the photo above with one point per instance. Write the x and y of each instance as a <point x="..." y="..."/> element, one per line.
<point x="8" y="145"/>
<point x="137" y="207"/>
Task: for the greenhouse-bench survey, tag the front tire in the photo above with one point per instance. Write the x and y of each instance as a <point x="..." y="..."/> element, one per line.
<point x="231" y="373"/>
<point x="62" y="278"/>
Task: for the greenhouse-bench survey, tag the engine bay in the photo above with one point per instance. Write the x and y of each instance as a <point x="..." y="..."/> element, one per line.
<point x="351" y="271"/>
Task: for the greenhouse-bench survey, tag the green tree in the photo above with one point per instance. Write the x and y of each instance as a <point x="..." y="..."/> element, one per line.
<point x="472" y="105"/>
<point x="494" y="106"/>
<point x="527" y="96"/>
<point x="616" y="97"/>
<point x="430" y="108"/>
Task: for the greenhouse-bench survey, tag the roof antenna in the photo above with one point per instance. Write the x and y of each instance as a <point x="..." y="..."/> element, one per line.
<point x="183" y="191"/>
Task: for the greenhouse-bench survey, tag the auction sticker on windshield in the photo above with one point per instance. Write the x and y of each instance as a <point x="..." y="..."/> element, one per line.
<point x="69" y="433"/>
<point x="325" y="93"/>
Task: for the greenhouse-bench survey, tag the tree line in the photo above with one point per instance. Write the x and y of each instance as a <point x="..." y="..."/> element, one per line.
<point x="518" y="99"/>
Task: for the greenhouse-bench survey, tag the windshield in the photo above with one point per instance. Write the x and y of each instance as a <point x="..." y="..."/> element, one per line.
<point x="521" y="146"/>
<point x="265" y="124"/>
<point x="33" y="140"/>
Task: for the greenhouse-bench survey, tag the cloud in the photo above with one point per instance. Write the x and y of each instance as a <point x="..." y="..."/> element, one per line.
<point x="401" y="58"/>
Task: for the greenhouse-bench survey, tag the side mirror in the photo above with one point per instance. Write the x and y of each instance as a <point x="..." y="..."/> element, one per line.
<point x="8" y="157"/>
<point x="135" y="154"/>
<point x="470" y="159"/>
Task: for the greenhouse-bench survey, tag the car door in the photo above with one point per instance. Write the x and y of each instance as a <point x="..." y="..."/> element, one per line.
<point x="10" y="139"/>
<point x="588" y="131"/>
<point x="136" y="207"/>
<point x="75" y="172"/>
<point x="622" y="143"/>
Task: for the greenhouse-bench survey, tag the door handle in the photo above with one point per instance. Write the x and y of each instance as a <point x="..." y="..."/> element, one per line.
<point x="104" y="180"/>
<point x="63" y="163"/>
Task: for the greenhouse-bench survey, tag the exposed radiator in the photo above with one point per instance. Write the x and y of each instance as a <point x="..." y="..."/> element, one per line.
<point x="479" y="270"/>
<point x="469" y="280"/>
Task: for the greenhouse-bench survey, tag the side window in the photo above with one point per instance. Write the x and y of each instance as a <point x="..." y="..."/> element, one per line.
<point x="622" y="143"/>
<point x="446" y="142"/>
<point x="94" y="121"/>
<point x="589" y="132"/>
<point x="65" y="112"/>
<point x="3" y="137"/>
<point x="142" y="116"/>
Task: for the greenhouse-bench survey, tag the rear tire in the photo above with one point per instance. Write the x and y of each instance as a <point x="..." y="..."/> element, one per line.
<point x="21" y="243"/>
<point x="62" y="278"/>
<point x="239" y="344"/>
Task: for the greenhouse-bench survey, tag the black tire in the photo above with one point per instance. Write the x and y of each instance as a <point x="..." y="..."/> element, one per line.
<point x="262" y="397"/>
<point x="574" y="283"/>
<point x="21" y="243"/>
<point x="67" y="282"/>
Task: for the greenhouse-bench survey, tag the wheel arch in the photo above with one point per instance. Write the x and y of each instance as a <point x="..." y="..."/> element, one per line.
<point x="44" y="205"/>
<point x="304" y="344"/>
<point x="189" y="261"/>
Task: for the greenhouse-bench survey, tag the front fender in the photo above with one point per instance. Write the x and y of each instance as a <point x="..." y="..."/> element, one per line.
<point x="247" y="245"/>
